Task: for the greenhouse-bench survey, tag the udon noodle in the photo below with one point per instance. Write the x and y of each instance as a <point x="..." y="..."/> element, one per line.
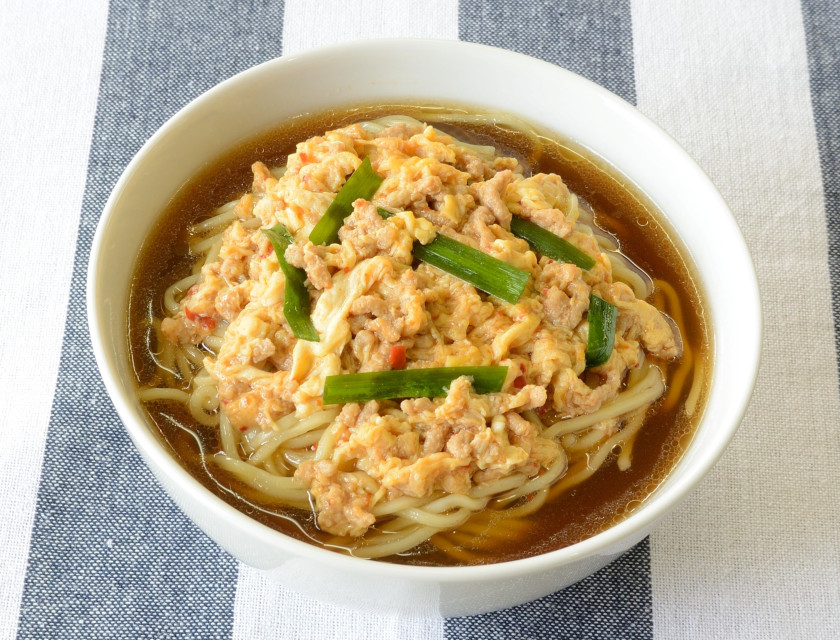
<point x="559" y="445"/>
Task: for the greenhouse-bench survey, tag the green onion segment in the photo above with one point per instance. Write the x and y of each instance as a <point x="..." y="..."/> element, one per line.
<point x="544" y="242"/>
<point x="296" y="303"/>
<point x="602" y="317"/>
<point x="484" y="272"/>
<point x="408" y="383"/>
<point x="362" y="184"/>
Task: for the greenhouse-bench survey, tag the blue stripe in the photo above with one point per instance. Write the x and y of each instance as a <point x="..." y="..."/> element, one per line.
<point x="111" y="555"/>
<point x="594" y="40"/>
<point x="822" y="36"/>
<point x="614" y="603"/>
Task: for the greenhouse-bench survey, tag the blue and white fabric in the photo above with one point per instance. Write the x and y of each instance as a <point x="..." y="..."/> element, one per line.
<point x="91" y="547"/>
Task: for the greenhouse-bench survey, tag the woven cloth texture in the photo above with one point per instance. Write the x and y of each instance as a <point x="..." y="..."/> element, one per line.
<point x="91" y="546"/>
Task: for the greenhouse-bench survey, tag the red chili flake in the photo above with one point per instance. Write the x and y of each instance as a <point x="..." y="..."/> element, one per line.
<point x="304" y="157"/>
<point x="545" y="292"/>
<point x="396" y="358"/>
<point x="243" y="427"/>
<point x="519" y="382"/>
<point x="207" y="323"/>
<point x="190" y="315"/>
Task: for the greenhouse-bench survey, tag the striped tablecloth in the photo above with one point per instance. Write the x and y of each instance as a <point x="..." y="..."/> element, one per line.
<point x="90" y="547"/>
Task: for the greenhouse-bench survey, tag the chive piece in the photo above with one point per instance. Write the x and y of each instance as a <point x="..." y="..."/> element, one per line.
<point x="602" y="317"/>
<point x="544" y="242"/>
<point x="362" y="184"/>
<point x="484" y="272"/>
<point x="408" y="383"/>
<point x="296" y="303"/>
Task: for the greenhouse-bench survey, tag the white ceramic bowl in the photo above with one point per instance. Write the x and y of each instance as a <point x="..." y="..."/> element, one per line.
<point x="448" y="73"/>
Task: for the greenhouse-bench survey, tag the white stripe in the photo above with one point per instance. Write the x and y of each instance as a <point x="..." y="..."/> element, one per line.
<point x="51" y="60"/>
<point x="754" y="553"/>
<point x="264" y="608"/>
<point x="309" y="24"/>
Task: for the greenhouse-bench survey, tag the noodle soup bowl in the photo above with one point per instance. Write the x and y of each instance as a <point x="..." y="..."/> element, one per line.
<point x="451" y="73"/>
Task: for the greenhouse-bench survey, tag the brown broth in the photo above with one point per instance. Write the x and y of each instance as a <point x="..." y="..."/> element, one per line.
<point x="607" y="497"/>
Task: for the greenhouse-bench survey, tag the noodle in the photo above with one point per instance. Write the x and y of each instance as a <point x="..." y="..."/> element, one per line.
<point x="228" y="438"/>
<point x="176" y="289"/>
<point x="690" y="406"/>
<point x="453" y="550"/>
<point x="291" y="432"/>
<point x="686" y="364"/>
<point x="640" y="395"/>
<point x="224" y="216"/>
<point x="449" y="521"/>
<point x="632" y="425"/>
<point x="213" y="343"/>
<point x="285" y="489"/>
<point x="389" y="544"/>
<point x="158" y="394"/>
<point x="434" y="514"/>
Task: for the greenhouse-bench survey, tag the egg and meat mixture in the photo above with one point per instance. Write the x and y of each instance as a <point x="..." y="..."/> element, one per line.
<point x="369" y="296"/>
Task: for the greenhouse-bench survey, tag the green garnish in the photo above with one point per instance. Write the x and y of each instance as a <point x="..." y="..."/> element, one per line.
<point x="544" y="242"/>
<point x="602" y="317"/>
<point x="408" y="383"/>
<point x="484" y="272"/>
<point x="362" y="184"/>
<point x="296" y="303"/>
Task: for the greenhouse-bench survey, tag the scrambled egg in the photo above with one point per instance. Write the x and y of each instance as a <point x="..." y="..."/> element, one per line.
<point x="369" y="296"/>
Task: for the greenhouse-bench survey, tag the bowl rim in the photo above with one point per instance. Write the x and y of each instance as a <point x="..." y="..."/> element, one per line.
<point x="640" y="521"/>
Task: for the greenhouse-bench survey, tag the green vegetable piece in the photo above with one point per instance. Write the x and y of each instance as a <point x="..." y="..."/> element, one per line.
<point x="296" y="302"/>
<point x="408" y="383"/>
<point x="602" y="317"/>
<point x="484" y="272"/>
<point x="548" y="244"/>
<point x="362" y="184"/>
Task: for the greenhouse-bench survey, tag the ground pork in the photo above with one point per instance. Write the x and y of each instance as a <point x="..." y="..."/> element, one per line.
<point x="565" y="294"/>
<point x="639" y="320"/>
<point x="370" y="299"/>
<point x="343" y="500"/>
<point x="489" y="194"/>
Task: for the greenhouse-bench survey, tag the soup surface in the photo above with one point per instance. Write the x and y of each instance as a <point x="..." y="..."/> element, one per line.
<point x="604" y="476"/>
